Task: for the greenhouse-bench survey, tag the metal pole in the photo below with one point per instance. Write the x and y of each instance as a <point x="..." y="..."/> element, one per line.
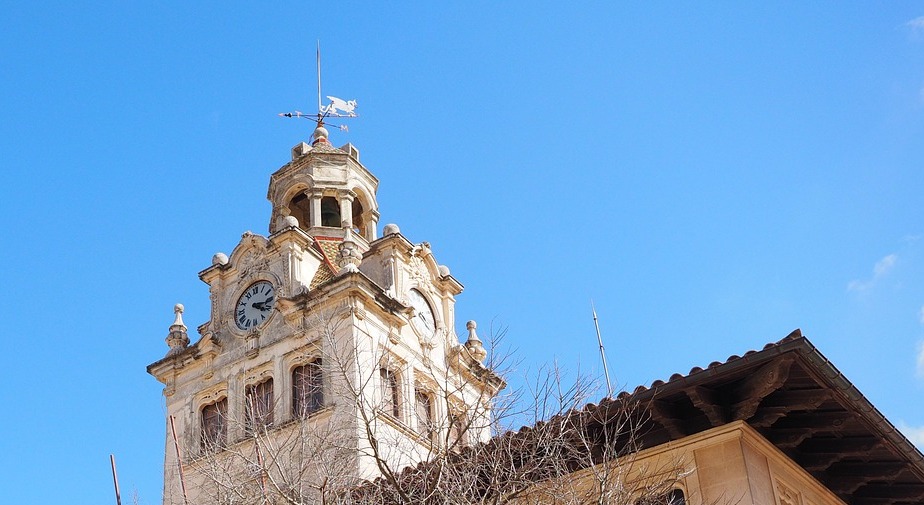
<point x="179" y="460"/>
<point x="319" y="78"/>
<point x="115" y="480"/>
<point x="606" y="371"/>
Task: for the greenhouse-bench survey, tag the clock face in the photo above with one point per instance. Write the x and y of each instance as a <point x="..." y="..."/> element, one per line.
<point x="254" y="305"/>
<point x="423" y="314"/>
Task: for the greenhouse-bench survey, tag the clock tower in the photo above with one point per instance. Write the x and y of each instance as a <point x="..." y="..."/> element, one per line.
<point x="330" y="353"/>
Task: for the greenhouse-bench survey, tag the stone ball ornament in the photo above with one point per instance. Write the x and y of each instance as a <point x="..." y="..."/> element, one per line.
<point x="219" y="258"/>
<point x="443" y="270"/>
<point x="391" y="229"/>
<point x="290" y="222"/>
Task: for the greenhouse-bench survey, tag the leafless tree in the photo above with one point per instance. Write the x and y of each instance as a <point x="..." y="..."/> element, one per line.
<point x="357" y="449"/>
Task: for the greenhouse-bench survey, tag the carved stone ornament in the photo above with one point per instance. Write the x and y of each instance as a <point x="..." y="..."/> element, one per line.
<point x="177" y="339"/>
<point x="252" y="261"/>
<point x="170" y="388"/>
<point x="208" y="349"/>
<point x="359" y="310"/>
<point x="259" y="374"/>
<point x="473" y="343"/>
<point x="418" y="271"/>
<point x="787" y="495"/>
<point x="213" y="394"/>
<point x="214" y="298"/>
<point x="252" y="342"/>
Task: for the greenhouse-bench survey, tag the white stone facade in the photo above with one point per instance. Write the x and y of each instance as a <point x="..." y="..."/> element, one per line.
<point x="374" y="315"/>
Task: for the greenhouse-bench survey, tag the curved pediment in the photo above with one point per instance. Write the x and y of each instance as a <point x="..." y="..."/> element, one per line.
<point x="250" y="254"/>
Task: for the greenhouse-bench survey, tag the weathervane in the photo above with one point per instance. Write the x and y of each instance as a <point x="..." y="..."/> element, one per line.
<point x="336" y="108"/>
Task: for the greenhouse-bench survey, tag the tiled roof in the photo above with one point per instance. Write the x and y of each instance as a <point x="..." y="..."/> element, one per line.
<point x="330" y="249"/>
<point x="798" y="400"/>
<point x="325" y="147"/>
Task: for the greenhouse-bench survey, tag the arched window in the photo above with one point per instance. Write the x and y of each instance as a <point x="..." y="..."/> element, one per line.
<point x="330" y="212"/>
<point x="307" y="389"/>
<point x="258" y="407"/>
<point x="215" y="425"/>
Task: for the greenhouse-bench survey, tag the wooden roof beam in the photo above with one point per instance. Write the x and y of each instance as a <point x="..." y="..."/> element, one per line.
<point x="710" y="403"/>
<point x="663" y="414"/>
<point x="759" y="385"/>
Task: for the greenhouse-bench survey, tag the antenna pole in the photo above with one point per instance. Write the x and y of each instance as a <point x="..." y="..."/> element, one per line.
<point x="606" y="371"/>
<point x="319" y="79"/>
<point x="179" y="460"/>
<point x="115" y="480"/>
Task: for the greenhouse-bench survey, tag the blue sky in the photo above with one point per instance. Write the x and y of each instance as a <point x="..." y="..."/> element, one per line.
<point x="711" y="175"/>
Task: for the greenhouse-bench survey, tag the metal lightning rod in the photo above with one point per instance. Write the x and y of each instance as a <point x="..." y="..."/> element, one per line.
<point x="115" y="479"/>
<point x="319" y="79"/>
<point x="179" y="460"/>
<point x="606" y="371"/>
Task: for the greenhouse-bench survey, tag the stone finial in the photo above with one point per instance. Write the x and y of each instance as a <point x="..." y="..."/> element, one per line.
<point x="473" y="344"/>
<point x="177" y="339"/>
<point x="443" y="270"/>
<point x="219" y="258"/>
<point x="290" y="222"/>
<point x="391" y="229"/>
<point x="350" y="257"/>
<point x="320" y="135"/>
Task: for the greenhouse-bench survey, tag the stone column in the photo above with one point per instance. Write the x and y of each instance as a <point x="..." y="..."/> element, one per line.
<point x="235" y="399"/>
<point x="315" y="208"/>
<point x="372" y="220"/>
<point x="282" y="391"/>
<point x="346" y="209"/>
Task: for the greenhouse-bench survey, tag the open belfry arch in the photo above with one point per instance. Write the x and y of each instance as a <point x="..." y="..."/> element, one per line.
<point x="327" y="347"/>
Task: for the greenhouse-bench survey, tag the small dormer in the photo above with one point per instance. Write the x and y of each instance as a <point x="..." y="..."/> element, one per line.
<point x="326" y="189"/>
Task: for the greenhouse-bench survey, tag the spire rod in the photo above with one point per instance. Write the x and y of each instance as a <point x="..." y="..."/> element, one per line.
<point x="606" y="371"/>
<point x="319" y="79"/>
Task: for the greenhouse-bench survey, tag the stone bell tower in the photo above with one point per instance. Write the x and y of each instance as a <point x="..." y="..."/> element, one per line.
<point x="329" y="352"/>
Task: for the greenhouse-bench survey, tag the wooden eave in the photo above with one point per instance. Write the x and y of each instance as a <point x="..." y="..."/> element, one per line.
<point x="796" y="399"/>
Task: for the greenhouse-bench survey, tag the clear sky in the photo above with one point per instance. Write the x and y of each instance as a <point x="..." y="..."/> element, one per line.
<point x="713" y="175"/>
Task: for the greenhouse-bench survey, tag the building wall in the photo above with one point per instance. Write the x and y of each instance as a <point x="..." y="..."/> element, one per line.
<point x="732" y="464"/>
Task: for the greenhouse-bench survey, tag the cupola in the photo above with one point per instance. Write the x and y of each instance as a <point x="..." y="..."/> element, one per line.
<point x="326" y="190"/>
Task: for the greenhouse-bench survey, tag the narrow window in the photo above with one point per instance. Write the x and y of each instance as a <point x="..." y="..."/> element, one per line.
<point x="390" y="403"/>
<point x="424" y="414"/>
<point x="457" y="428"/>
<point x="307" y="389"/>
<point x="214" y="425"/>
<point x="259" y="406"/>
